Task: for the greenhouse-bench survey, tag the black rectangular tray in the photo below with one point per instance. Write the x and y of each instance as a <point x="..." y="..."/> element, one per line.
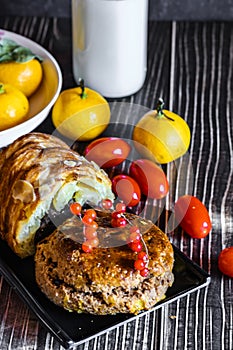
<point x="72" y="329"/>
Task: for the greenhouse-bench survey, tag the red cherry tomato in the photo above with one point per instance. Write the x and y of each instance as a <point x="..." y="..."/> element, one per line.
<point x="192" y="216"/>
<point x="225" y="261"/>
<point x="126" y="189"/>
<point x="150" y="177"/>
<point x="107" y="151"/>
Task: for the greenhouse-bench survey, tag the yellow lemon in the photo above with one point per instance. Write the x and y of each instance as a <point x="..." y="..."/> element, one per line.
<point x="26" y="76"/>
<point x="162" y="135"/>
<point x="14" y="106"/>
<point x="80" y="113"/>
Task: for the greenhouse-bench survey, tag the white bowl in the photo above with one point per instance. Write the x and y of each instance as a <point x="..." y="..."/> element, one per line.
<point x="44" y="98"/>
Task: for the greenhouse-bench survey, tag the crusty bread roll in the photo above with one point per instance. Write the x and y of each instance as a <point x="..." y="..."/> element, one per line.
<point x="103" y="281"/>
<point x="39" y="172"/>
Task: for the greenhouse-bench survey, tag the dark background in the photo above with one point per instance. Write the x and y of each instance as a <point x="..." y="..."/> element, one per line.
<point x="159" y="9"/>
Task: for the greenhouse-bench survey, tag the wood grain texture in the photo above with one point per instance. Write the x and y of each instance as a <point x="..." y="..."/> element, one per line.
<point x="190" y="64"/>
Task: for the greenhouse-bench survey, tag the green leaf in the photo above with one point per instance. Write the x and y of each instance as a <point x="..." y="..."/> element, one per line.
<point x="10" y="51"/>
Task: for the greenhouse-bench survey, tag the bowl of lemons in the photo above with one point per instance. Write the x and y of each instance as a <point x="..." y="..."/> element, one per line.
<point x="30" y="83"/>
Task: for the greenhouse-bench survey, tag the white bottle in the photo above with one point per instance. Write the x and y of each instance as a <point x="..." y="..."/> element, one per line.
<point x="110" y="45"/>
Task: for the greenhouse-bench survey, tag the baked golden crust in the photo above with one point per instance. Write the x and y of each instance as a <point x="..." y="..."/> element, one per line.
<point x="37" y="172"/>
<point x="31" y="141"/>
<point x="104" y="281"/>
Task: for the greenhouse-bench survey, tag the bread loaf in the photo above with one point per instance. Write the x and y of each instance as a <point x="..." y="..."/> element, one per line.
<point x="39" y="172"/>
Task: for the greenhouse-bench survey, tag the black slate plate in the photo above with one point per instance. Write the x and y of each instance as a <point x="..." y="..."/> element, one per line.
<point x="72" y="329"/>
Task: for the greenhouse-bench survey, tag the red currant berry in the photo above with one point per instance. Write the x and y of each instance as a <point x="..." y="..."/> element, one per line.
<point x="89" y="232"/>
<point x="118" y="222"/>
<point x="139" y="264"/>
<point x="106" y="203"/>
<point x="87" y="220"/>
<point x="121" y="207"/>
<point x="116" y="215"/>
<point x="91" y="213"/>
<point x="121" y="222"/>
<point x="144" y="272"/>
<point x="94" y="242"/>
<point x="136" y="246"/>
<point x="86" y="247"/>
<point x="94" y="225"/>
<point x="134" y="236"/>
<point x="75" y="208"/>
<point x="143" y="256"/>
<point x="88" y="229"/>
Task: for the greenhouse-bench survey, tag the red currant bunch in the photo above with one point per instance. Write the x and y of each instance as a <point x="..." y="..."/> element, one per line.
<point x="90" y="226"/>
<point x="118" y="219"/>
<point x="136" y="244"/>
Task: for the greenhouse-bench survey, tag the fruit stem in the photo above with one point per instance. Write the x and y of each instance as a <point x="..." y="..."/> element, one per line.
<point x="82" y="86"/>
<point x="160" y="112"/>
<point x="2" y="89"/>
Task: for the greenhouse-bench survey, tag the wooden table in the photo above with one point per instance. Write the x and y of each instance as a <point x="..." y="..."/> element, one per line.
<point x="190" y="64"/>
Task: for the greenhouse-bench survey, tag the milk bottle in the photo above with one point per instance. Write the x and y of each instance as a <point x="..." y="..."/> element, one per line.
<point x="110" y="45"/>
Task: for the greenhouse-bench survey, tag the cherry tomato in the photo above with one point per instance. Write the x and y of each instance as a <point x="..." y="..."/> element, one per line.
<point x="193" y="216"/>
<point x="225" y="261"/>
<point x="150" y="177"/>
<point x="126" y="189"/>
<point x="107" y="151"/>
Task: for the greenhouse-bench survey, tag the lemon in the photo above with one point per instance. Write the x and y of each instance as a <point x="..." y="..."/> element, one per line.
<point x="162" y="135"/>
<point x="80" y="113"/>
<point x="26" y="76"/>
<point x="14" y="106"/>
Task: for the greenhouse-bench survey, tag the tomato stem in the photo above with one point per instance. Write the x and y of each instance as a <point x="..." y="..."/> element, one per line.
<point x="82" y="86"/>
<point x="2" y="90"/>
<point x="160" y="112"/>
